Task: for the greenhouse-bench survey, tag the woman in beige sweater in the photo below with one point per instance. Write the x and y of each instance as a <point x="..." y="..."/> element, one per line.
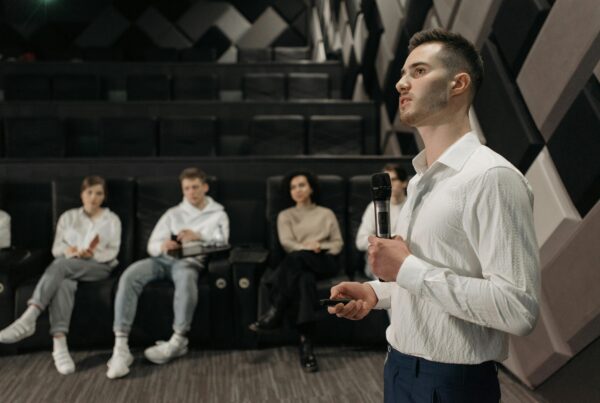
<point x="310" y="236"/>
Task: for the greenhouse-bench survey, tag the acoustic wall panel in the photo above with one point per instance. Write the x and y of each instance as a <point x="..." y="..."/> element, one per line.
<point x="517" y="24"/>
<point x="503" y="116"/>
<point x="233" y="24"/>
<point x="264" y="30"/>
<point x="554" y="215"/>
<point x="560" y="61"/>
<point x="361" y="34"/>
<point x="200" y="17"/>
<point x="392" y="18"/>
<point x="474" y="19"/>
<point x="575" y="148"/>
<point x="161" y="30"/>
<point x="104" y="31"/>
<point x="446" y="11"/>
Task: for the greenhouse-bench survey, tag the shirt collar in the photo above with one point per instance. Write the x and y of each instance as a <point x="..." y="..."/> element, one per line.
<point x="454" y="157"/>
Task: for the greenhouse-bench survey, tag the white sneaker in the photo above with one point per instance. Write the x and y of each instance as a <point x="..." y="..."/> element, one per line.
<point x="17" y="331"/>
<point x="63" y="362"/>
<point x="165" y="351"/>
<point x="118" y="365"/>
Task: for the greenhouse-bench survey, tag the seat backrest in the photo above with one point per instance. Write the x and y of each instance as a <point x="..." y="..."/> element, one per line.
<point x="264" y="86"/>
<point x="337" y="135"/>
<point x="148" y="87"/>
<point x="188" y="136"/>
<point x="254" y="55"/>
<point x="198" y="55"/>
<point x="195" y="87"/>
<point x="359" y="197"/>
<point x="154" y="197"/>
<point x="128" y="137"/>
<point x="27" y="87"/>
<point x="278" y="135"/>
<point x="83" y="136"/>
<point x="291" y="53"/>
<point x="333" y="196"/>
<point x="75" y="87"/>
<point x="244" y="202"/>
<point x="308" y="86"/>
<point x="29" y="206"/>
<point x="34" y="138"/>
<point x="66" y="194"/>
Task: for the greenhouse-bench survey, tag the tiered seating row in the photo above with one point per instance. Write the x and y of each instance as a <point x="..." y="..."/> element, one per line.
<point x="56" y="130"/>
<point x="164" y="81"/>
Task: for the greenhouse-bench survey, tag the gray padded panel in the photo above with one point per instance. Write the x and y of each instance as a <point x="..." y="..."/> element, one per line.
<point x="264" y="86"/>
<point x="515" y="28"/>
<point x="294" y="53"/>
<point x="264" y="30"/>
<point x="105" y="30"/>
<point x="446" y="11"/>
<point x="338" y="135"/>
<point x="564" y="54"/>
<point x="308" y="86"/>
<point x="188" y="136"/>
<point x="503" y="116"/>
<point x="575" y="148"/>
<point x="161" y="30"/>
<point x="474" y="19"/>
<point x="255" y="55"/>
<point x="277" y="135"/>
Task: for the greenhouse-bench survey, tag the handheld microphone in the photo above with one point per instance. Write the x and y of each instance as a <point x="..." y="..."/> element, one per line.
<point x="381" y="189"/>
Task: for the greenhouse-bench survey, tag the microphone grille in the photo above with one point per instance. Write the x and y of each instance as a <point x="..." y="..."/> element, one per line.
<point x="381" y="186"/>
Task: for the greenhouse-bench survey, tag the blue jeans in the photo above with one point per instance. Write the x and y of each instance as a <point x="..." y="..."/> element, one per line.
<point x="183" y="274"/>
<point x="413" y="379"/>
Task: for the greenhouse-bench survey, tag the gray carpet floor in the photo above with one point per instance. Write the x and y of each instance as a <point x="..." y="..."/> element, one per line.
<point x="269" y="375"/>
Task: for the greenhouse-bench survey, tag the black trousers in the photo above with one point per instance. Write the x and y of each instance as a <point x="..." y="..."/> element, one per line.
<point x="295" y="283"/>
<point x="414" y="380"/>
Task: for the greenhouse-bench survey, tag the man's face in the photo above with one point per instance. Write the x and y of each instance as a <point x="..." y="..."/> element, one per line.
<point x="194" y="191"/>
<point x="423" y="86"/>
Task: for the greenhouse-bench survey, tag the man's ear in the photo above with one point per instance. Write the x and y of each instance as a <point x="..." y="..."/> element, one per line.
<point x="460" y="84"/>
<point x="206" y="187"/>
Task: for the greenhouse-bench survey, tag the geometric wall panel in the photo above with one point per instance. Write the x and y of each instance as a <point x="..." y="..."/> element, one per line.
<point x="392" y="18"/>
<point x="446" y="11"/>
<point x="503" y="116"/>
<point x="416" y="11"/>
<point x="104" y="31"/>
<point x="554" y="215"/>
<point x="200" y="17"/>
<point x="233" y="24"/>
<point x="264" y="30"/>
<point x="474" y="19"/>
<point x="561" y="60"/>
<point x="515" y="28"/>
<point x="575" y="148"/>
<point x="161" y="30"/>
<point x="571" y="281"/>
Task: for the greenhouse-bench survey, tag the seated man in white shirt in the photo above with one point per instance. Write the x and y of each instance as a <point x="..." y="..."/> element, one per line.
<point x="197" y="218"/>
<point x="399" y="180"/>
<point x="463" y="271"/>
<point x="4" y="230"/>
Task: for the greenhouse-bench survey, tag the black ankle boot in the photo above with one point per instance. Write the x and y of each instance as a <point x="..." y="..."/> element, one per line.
<point x="270" y="320"/>
<point x="308" y="361"/>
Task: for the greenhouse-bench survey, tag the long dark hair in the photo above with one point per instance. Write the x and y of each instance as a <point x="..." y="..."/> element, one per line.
<point x="312" y="181"/>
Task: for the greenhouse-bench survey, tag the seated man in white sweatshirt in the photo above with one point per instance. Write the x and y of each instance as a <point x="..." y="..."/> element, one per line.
<point x="197" y="218"/>
<point x="4" y="230"/>
<point x="399" y="180"/>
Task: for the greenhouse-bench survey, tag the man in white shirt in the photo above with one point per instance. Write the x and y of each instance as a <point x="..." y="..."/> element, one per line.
<point x="4" y="230"/>
<point x="197" y="218"/>
<point x="464" y="270"/>
<point x="399" y="180"/>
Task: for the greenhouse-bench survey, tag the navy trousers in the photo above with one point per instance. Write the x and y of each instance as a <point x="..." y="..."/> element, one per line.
<point x="409" y="379"/>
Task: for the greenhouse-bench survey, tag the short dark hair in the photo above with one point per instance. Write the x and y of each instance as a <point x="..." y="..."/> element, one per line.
<point x="93" y="180"/>
<point x="312" y="181"/>
<point x="400" y="172"/>
<point x="192" y="173"/>
<point x="458" y="53"/>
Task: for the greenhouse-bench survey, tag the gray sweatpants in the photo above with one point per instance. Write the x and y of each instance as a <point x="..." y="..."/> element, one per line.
<point x="56" y="288"/>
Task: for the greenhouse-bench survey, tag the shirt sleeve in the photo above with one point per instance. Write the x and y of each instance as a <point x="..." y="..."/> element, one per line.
<point x="334" y="243"/>
<point x="383" y="290"/>
<point x="59" y="245"/>
<point x="286" y="236"/>
<point x="367" y="227"/>
<point x="110" y="247"/>
<point x="498" y="220"/>
<point x="160" y="234"/>
<point x="4" y="230"/>
<point x="224" y="225"/>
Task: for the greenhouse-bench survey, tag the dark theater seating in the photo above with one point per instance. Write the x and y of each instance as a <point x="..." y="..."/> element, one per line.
<point x="277" y="135"/>
<point x="188" y="136"/>
<point x="195" y="87"/>
<point x="128" y="137"/>
<point x="153" y="87"/>
<point x="26" y="87"/>
<point x="292" y="53"/>
<point x="255" y="55"/>
<point x="308" y="86"/>
<point x="338" y="135"/>
<point x="34" y="138"/>
<point x="76" y="87"/>
<point x="264" y="86"/>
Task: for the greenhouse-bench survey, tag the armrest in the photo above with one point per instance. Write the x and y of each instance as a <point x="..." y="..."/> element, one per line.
<point x="19" y="265"/>
<point x="256" y="255"/>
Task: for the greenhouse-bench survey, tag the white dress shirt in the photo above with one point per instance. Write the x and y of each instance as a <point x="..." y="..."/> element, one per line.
<point x="473" y="273"/>
<point x="211" y="224"/>
<point x="4" y="230"/>
<point x="76" y="228"/>
<point x="367" y="228"/>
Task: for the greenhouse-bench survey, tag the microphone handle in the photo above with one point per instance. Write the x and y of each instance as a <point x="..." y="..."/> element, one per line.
<point x="382" y="220"/>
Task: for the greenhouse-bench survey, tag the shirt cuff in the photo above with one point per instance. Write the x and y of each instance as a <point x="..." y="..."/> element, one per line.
<point x="411" y="274"/>
<point x="383" y="292"/>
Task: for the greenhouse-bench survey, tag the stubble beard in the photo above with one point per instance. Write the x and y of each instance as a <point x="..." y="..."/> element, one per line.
<point x="435" y="100"/>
